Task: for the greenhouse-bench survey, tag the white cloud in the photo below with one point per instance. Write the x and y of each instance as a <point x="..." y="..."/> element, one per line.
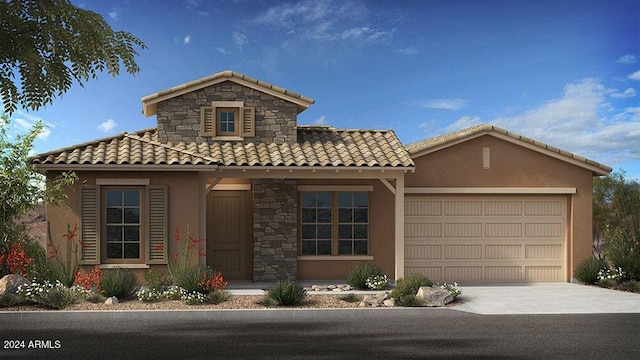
<point x="186" y="40"/>
<point x="108" y="125"/>
<point x="239" y="38"/>
<point x="635" y="75"/>
<point x="203" y="13"/>
<point x="627" y="59"/>
<point x="309" y="11"/>
<point x="580" y="122"/>
<point x="365" y="34"/>
<point x="223" y="51"/>
<point x="444" y="104"/>
<point x="322" y="120"/>
<point x="25" y="122"/>
<point x="114" y="13"/>
<point x="630" y="92"/>
<point x="410" y="50"/>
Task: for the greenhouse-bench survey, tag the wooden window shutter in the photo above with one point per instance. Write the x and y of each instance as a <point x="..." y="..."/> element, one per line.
<point x="248" y="121"/>
<point x="90" y="224"/>
<point x="157" y="224"/>
<point x="208" y="121"/>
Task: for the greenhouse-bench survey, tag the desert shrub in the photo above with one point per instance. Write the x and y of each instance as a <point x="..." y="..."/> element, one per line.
<point x="352" y="298"/>
<point x="623" y="250"/>
<point x="120" y="282"/>
<point x="587" y="271"/>
<point x="174" y="293"/>
<point x="156" y="280"/>
<point x="286" y="293"/>
<point x="184" y="270"/>
<point x="629" y="285"/>
<point x="148" y="295"/>
<point x="217" y="297"/>
<point x="409" y="286"/>
<point x="95" y="297"/>
<point x="9" y="299"/>
<point x="610" y="277"/>
<point x="358" y="276"/>
<point x="452" y="289"/>
<point x="408" y="300"/>
<point x="54" y="296"/>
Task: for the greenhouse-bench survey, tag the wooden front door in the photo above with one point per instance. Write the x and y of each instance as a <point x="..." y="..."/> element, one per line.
<point x="228" y="234"/>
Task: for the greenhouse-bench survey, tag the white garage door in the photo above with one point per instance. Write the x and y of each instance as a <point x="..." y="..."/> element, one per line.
<point x="485" y="238"/>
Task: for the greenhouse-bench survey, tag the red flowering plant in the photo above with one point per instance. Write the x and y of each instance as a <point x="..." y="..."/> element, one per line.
<point x="90" y="281"/>
<point x="212" y="281"/>
<point x="185" y="271"/>
<point x="15" y="261"/>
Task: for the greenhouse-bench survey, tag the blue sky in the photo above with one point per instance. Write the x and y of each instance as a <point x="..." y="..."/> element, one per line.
<point x="566" y="73"/>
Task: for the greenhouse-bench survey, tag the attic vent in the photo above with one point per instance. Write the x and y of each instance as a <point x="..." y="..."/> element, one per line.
<point x="486" y="157"/>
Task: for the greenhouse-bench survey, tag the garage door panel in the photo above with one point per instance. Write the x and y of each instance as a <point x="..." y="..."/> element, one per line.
<point x="422" y="208"/>
<point x="463" y="251"/>
<point x="503" y="273"/>
<point x="503" y="251"/>
<point x="543" y="273"/>
<point x="544" y="208"/>
<point x="503" y="229"/>
<point x="463" y="273"/>
<point x="543" y="251"/>
<point x="486" y="238"/>
<point x="503" y="208"/>
<point x="544" y="230"/>
<point x="462" y="230"/>
<point x="463" y="208"/>
<point x="423" y="251"/>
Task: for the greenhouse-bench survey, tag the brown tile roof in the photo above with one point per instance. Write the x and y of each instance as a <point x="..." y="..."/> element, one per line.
<point x="316" y="147"/>
<point x="425" y="146"/>
<point x="149" y="102"/>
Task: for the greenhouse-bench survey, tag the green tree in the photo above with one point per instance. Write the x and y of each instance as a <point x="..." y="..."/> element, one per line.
<point x="22" y="187"/>
<point x="616" y="221"/>
<point x="51" y="43"/>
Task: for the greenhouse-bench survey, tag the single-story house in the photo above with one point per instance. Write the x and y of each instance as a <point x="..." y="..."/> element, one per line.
<point x="270" y="199"/>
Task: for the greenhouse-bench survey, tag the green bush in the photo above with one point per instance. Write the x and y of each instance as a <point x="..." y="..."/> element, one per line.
<point x="352" y="298"/>
<point x="156" y="280"/>
<point x="217" y="297"/>
<point x="358" y="276"/>
<point x="630" y="286"/>
<point x="286" y="293"/>
<point x="409" y="286"/>
<point x="120" y="282"/>
<point x="9" y="299"/>
<point x="96" y="298"/>
<point x="622" y="250"/>
<point x="587" y="271"/>
<point x="408" y="300"/>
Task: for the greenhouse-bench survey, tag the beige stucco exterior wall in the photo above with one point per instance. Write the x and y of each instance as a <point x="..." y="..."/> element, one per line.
<point x="183" y="205"/>
<point x="513" y="166"/>
<point x="381" y="235"/>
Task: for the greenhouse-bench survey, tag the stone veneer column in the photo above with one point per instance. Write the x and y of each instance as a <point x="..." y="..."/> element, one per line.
<point x="275" y="239"/>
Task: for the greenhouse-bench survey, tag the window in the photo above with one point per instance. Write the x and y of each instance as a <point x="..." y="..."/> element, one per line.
<point x="122" y="228"/>
<point x="334" y="223"/>
<point x="227" y="118"/>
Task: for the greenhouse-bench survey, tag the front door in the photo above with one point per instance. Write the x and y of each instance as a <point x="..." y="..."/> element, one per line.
<point x="228" y="248"/>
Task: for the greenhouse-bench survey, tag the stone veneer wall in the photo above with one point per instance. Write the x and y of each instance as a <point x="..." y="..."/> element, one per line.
<point x="275" y="230"/>
<point x="178" y="118"/>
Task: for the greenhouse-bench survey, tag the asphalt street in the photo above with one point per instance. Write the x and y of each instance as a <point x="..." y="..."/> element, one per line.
<point x="324" y="334"/>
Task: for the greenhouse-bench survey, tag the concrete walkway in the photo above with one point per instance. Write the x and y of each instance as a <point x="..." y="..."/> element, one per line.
<point x="545" y="298"/>
<point x="535" y="298"/>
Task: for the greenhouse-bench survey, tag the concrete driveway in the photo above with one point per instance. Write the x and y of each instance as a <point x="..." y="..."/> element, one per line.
<point x="545" y="298"/>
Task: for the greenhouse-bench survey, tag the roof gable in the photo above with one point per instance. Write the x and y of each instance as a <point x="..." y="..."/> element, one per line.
<point x="434" y="144"/>
<point x="149" y="102"/>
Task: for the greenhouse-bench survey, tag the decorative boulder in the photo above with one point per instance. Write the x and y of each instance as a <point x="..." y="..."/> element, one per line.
<point x="434" y="296"/>
<point x="376" y="300"/>
<point x="111" y="301"/>
<point x="10" y="283"/>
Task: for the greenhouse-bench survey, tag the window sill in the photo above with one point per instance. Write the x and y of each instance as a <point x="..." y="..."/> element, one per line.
<point x="128" y="266"/>
<point x="335" y="258"/>
<point x="227" y="138"/>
